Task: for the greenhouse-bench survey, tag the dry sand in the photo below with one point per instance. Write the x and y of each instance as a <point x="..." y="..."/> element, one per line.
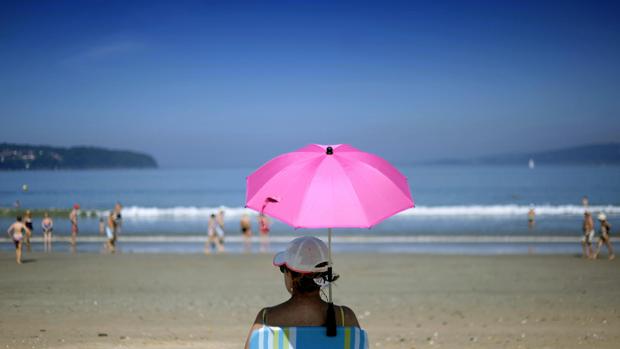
<point x="404" y="301"/>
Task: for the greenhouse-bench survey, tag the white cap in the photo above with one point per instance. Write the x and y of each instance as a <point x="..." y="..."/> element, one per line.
<point x="305" y="254"/>
<point x="601" y="216"/>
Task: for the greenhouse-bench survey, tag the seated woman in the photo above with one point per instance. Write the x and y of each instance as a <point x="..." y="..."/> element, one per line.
<point x="304" y="267"/>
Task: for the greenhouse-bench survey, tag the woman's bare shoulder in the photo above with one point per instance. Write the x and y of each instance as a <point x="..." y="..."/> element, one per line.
<point x="350" y="319"/>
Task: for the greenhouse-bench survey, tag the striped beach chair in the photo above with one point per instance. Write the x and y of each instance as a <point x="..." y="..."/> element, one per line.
<point x="269" y="337"/>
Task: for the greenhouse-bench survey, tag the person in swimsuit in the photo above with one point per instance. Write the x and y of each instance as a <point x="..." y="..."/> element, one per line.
<point x="47" y="224"/>
<point x="264" y="227"/>
<point x="17" y="231"/>
<point x="102" y="226"/>
<point x="28" y="224"/>
<point x="531" y="218"/>
<point x="219" y="228"/>
<point x="246" y="231"/>
<point x="213" y="241"/>
<point x="588" y="234"/>
<point x="304" y="267"/>
<point x="118" y="219"/>
<point x="605" y="237"/>
<point x="73" y="217"/>
<point x="109" y="232"/>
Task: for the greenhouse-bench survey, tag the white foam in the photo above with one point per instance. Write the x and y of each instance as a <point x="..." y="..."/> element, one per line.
<point x="507" y="210"/>
<point x="185" y="212"/>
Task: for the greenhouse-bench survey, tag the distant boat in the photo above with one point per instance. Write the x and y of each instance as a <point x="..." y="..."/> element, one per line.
<point x="531" y="164"/>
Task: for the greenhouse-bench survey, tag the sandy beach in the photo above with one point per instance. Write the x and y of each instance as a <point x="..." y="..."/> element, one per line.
<point x="404" y="301"/>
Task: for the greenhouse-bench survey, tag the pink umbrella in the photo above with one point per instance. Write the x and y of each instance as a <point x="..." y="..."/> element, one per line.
<point x="320" y="186"/>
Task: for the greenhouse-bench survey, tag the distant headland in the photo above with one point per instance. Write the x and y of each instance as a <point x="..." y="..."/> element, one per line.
<point x="40" y="157"/>
<point x="591" y="154"/>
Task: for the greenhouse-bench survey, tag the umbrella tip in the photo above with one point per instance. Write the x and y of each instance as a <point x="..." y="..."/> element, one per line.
<point x="329" y="151"/>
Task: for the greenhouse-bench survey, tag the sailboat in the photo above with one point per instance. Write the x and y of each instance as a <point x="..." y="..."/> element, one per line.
<point x="531" y="164"/>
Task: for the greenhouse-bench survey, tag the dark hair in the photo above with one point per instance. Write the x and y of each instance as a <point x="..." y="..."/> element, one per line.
<point x="304" y="283"/>
<point x="19" y="218"/>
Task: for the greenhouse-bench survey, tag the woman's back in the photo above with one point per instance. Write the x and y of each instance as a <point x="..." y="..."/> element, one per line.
<point x="304" y="266"/>
<point x="305" y="312"/>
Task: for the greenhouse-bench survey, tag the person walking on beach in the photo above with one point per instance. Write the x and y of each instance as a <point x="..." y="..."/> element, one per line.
<point x="219" y="228"/>
<point x="47" y="224"/>
<point x="264" y="226"/>
<point x="213" y="241"/>
<point x="109" y="232"/>
<point x="73" y="217"/>
<point x="17" y="231"/>
<point x="304" y="267"/>
<point x="28" y="224"/>
<point x="246" y="232"/>
<point x="118" y="219"/>
<point x="605" y="237"/>
<point x="588" y="234"/>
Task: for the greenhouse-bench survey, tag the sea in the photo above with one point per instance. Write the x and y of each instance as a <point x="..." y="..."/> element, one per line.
<point x="460" y="209"/>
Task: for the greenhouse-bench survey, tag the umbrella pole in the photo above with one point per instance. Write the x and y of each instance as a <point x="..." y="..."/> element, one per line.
<point x="331" y="312"/>
<point x="329" y="256"/>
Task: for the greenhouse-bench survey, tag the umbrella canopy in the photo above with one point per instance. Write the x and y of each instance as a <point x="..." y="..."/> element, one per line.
<point x="321" y="186"/>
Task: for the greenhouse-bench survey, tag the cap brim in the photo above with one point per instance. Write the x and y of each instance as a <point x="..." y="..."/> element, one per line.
<point x="279" y="259"/>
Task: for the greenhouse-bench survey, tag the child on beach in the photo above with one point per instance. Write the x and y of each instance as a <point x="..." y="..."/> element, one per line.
<point x="604" y="238"/>
<point x="17" y="231"/>
<point x="47" y="224"/>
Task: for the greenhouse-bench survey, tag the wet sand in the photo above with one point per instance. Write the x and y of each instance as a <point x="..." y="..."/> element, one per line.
<point x="404" y="301"/>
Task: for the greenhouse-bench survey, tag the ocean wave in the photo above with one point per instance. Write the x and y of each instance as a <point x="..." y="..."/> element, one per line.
<point x="447" y="211"/>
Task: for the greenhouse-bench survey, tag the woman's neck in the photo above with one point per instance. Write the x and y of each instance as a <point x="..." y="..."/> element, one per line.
<point x="306" y="297"/>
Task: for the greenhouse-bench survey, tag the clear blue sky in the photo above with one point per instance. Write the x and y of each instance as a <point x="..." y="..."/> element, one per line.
<point x="209" y="83"/>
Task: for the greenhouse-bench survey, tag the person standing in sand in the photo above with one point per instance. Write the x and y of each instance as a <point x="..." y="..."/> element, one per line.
<point x="118" y="219"/>
<point x="213" y="241"/>
<point x="588" y="234"/>
<point x="110" y="232"/>
<point x="219" y="228"/>
<point x="246" y="232"/>
<point x="47" y="224"/>
<point x="73" y="217"/>
<point x="102" y="226"/>
<point x="264" y="227"/>
<point x="28" y="224"/>
<point x="17" y="231"/>
<point x="605" y="237"/>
